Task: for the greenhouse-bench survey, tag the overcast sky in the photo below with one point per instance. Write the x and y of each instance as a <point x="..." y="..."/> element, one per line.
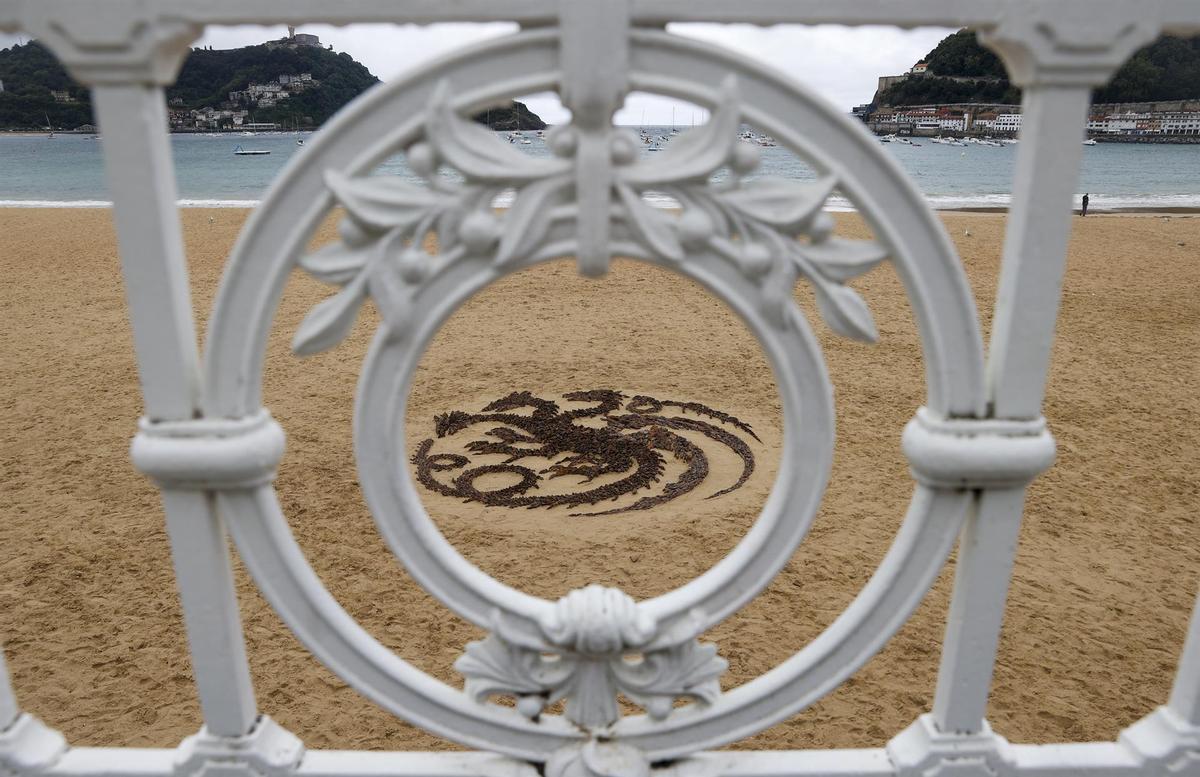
<point x="840" y="63"/>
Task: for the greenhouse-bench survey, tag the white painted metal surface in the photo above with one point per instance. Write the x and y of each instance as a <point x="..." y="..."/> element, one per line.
<point x="973" y="448"/>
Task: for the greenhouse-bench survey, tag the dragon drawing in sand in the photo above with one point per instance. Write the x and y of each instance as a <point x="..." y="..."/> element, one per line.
<point x="624" y="442"/>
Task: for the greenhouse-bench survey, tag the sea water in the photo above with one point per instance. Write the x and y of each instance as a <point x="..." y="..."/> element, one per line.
<point x="69" y="170"/>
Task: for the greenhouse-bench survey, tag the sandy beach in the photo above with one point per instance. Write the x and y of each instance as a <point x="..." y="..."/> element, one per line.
<point x="1106" y="575"/>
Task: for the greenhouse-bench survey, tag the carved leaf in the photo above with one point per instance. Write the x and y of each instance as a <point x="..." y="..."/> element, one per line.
<point x="840" y="260"/>
<point x="695" y="154"/>
<point x="844" y="311"/>
<point x="476" y="152"/>
<point x="527" y="221"/>
<point x="447" y="228"/>
<point x="781" y="203"/>
<point x="602" y="759"/>
<point x="335" y="263"/>
<point x="330" y="321"/>
<point x="691" y="670"/>
<point x="492" y="667"/>
<point x="715" y="212"/>
<point x="650" y="226"/>
<point x="383" y="203"/>
<point x="777" y="295"/>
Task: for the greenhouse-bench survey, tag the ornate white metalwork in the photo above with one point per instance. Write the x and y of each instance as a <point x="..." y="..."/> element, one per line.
<point x="972" y="448"/>
<point x="209" y="453"/>
<point x="266" y="751"/>
<point x="976" y="452"/>
<point x="753" y="225"/>
<point x="387" y="222"/>
<point x="586" y="659"/>
<point x="28" y="746"/>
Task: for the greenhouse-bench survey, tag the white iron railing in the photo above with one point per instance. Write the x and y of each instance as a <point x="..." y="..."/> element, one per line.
<point x="973" y="448"/>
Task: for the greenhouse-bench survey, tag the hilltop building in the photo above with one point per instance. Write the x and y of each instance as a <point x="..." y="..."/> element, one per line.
<point x="295" y="39"/>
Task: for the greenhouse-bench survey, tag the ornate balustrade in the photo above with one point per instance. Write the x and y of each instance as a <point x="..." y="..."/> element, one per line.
<point x="973" y="448"/>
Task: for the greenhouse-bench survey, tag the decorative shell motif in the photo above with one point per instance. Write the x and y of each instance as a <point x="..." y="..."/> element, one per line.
<point x="773" y="230"/>
<point x="586" y="659"/>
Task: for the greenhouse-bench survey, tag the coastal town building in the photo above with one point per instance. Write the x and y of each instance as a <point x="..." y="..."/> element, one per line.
<point x="1007" y="123"/>
<point x="952" y="124"/>
<point x="268" y="94"/>
<point x="1181" y="124"/>
<point x="1168" y="121"/>
<point x="207" y="118"/>
<point x="62" y="96"/>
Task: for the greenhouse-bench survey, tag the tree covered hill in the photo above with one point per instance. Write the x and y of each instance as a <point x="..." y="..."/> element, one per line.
<point x="961" y="70"/>
<point x="208" y="76"/>
<point x="30" y="74"/>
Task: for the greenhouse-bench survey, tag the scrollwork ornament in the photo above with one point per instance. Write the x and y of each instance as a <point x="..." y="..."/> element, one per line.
<point x="596" y="646"/>
<point x="772" y="230"/>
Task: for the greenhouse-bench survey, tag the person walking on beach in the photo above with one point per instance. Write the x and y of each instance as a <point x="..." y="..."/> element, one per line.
<point x="1083" y="212"/>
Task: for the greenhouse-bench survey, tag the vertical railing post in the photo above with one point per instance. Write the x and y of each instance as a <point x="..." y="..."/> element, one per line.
<point x="141" y="180"/>
<point x="1185" y="695"/>
<point x="8" y="700"/>
<point x="1019" y="356"/>
<point x="126" y="72"/>
<point x="1057" y="72"/>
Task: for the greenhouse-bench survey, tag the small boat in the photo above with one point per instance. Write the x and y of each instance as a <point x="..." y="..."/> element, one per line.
<point x="1089" y="142"/>
<point x="253" y="152"/>
<point x="298" y="143"/>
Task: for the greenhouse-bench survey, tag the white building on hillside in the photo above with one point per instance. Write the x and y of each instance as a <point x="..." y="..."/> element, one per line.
<point x="1180" y="124"/>
<point x="1007" y="122"/>
<point x="1115" y="122"/>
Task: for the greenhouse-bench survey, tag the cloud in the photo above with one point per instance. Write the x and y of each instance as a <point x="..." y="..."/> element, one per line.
<point x="839" y="63"/>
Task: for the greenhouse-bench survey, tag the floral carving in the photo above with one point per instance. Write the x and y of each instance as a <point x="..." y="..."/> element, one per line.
<point x="772" y="230"/>
<point x="586" y="659"/>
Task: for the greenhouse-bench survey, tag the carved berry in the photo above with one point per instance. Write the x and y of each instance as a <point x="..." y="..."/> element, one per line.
<point x="745" y="157"/>
<point x="624" y="148"/>
<point x="695" y="227"/>
<point x="822" y="227"/>
<point x="414" y="265"/>
<point x="659" y="707"/>
<point x="562" y="141"/>
<point x="421" y="159"/>
<point x="757" y="259"/>
<point x="353" y="234"/>
<point x="531" y="706"/>
<point x="479" y="231"/>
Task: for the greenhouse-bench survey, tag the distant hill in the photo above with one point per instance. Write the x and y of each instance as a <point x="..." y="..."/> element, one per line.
<point x="31" y="76"/>
<point x="961" y="71"/>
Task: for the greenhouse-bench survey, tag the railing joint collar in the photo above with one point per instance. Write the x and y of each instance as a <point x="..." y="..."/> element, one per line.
<point x="209" y="453"/>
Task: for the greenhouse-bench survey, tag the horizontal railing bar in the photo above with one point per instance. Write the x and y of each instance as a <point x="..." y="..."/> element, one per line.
<point x="1178" y="16"/>
<point x="1094" y="759"/>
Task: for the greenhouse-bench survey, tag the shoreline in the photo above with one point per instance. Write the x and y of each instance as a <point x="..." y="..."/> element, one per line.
<point x="1001" y="210"/>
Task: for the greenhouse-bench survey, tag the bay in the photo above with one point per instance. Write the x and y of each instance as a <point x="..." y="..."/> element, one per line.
<point x="68" y="170"/>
